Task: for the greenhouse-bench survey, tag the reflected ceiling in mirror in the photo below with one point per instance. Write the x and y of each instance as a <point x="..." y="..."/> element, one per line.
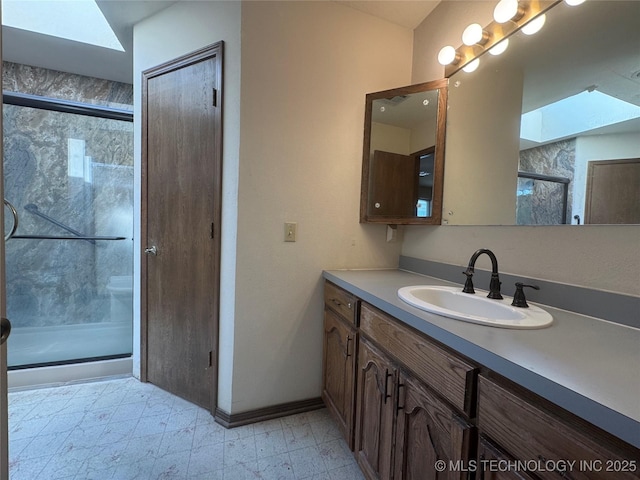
<point x="549" y="132"/>
<point x="402" y="167"/>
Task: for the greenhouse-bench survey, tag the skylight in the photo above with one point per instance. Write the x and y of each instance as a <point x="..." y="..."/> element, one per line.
<point x="77" y="20"/>
<point x="575" y="115"/>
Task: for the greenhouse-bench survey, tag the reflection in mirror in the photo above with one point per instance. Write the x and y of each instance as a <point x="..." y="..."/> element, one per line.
<point x="549" y="132"/>
<point x="402" y="155"/>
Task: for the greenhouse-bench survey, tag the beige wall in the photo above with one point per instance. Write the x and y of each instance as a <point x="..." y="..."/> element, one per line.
<point x="180" y="29"/>
<point x="293" y="131"/>
<point x="603" y="257"/>
<point x="293" y="128"/>
<point x="599" y="147"/>
<point x="306" y="67"/>
<point x="389" y="138"/>
<point x="483" y="128"/>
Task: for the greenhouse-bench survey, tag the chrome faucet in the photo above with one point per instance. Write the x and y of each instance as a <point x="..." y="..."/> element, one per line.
<point x="494" y="286"/>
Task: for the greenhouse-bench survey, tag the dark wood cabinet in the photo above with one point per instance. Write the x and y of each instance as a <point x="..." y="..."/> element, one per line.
<point x="428" y="431"/>
<point x="339" y="358"/>
<point x="402" y="426"/>
<point x="405" y="402"/>
<point x="444" y="371"/>
<point x="377" y="378"/>
<point x="493" y="464"/>
<point x="550" y="440"/>
<point x="339" y="372"/>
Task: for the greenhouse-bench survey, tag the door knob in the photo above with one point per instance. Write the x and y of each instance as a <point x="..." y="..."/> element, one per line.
<point x="5" y="330"/>
<point x="151" y="250"/>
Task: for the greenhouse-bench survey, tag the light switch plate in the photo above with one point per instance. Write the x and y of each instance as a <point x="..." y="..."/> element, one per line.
<point x="290" y="231"/>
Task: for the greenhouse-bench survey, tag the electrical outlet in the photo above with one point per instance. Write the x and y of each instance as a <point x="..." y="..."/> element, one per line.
<point x="290" y="231"/>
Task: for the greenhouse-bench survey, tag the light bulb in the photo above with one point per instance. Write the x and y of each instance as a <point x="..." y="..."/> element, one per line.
<point x="573" y="3"/>
<point x="447" y="55"/>
<point x="534" y="25"/>
<point x="505" y="10"/>
<point x="472" y="34"/>
<point x="472" y="66"/>
<point x="499" y="48"/>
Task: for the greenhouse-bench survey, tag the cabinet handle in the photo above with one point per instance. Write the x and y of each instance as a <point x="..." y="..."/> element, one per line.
<point x="398" y="387"/>
<point x="386" y="385"/>
<point x="348" y="341"/>
<point x="337" y="303"/>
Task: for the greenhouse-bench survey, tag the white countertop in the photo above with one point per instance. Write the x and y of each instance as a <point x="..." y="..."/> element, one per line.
<point x="588" y="366"/>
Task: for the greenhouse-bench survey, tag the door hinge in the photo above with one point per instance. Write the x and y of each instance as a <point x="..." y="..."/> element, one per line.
<point x="213" y="230"/>
<point x="215" y="97"/>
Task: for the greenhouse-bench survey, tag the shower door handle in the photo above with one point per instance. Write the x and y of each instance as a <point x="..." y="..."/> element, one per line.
<point x="151" y="250"/>
<point x="6" y="330"/>
<point x="15" y="220"/>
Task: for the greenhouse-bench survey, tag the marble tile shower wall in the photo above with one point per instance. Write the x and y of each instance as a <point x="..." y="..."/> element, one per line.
<point x="78" y="170"/>
<point x="539" y="202"/>
<point x="65" y="86"/>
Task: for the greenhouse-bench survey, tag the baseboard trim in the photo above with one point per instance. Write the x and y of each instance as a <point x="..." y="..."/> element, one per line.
<point x="261" y="414"/>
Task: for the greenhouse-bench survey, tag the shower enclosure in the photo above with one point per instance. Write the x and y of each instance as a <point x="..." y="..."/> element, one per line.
<point x="68" y="170"/>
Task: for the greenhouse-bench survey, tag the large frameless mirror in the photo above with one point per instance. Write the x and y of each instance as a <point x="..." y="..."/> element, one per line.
<point x="548" y="132"/>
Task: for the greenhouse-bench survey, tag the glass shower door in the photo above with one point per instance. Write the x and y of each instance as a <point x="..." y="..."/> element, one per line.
<point x="69" y="264"/>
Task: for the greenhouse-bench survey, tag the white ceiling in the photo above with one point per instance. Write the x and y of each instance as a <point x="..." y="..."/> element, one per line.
<point x="39" y="50"/>
<point x="407" y="13"/>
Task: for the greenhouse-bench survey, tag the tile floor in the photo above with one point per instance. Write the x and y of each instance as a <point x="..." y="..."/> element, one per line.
<point x="122" y="429"/>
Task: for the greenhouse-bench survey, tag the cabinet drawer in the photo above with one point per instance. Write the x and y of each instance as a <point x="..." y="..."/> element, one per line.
<point x="449" y="375"/>
<point x="341" y="302"/>
<point x="529" y="431"/>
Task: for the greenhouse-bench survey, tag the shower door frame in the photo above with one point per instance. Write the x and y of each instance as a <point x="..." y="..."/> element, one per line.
<point x="50" y="104"/>
<point x="4" y="401"/>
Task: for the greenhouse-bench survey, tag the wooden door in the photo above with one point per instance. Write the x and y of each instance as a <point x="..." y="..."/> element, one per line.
<point x="374" y="417"/>
<point x="181" y="224"/>
<point x="613" y="192"/>
<point x="427" y="432"/>
<point x="338" y="372"/>
<point x="393" y="184"/>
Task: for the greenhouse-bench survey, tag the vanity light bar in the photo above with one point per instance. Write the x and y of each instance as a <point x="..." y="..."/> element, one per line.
<point x="497" y="32"/>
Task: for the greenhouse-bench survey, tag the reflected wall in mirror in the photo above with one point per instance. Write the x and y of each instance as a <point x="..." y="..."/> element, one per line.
<point x="403" y="155"/>
<point x="549" y="132"/>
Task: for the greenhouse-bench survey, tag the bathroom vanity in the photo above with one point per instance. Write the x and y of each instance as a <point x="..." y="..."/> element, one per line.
<point x="420" y="396"/>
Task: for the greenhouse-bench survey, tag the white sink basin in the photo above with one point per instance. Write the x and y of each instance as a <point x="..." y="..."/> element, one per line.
<point x="476" y="308"/>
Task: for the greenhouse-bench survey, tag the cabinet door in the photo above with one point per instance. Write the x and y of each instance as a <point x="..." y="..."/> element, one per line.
<point x="374" y="422"/>
<point x="338" y="372"/>
<point x="431" y="440"/>
<point x="491" y="461"/>
<point x="531" y="429"/>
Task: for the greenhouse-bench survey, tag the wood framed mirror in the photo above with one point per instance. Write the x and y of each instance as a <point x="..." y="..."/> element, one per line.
<point x="403" y="155"/>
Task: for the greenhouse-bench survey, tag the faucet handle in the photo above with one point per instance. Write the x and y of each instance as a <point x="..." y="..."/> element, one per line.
<point x="468" y="284"/>
<point x="519" y="300"/>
